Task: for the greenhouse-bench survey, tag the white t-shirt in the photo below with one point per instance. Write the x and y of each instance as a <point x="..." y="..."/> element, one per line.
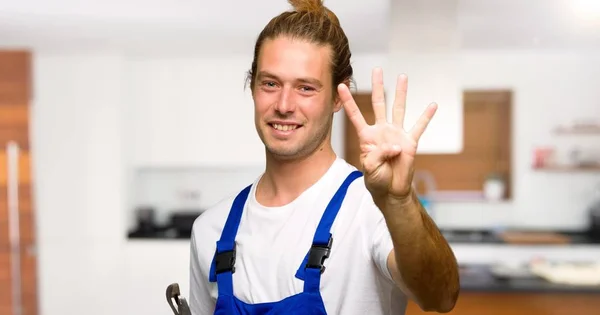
<point x="272" y="242"/>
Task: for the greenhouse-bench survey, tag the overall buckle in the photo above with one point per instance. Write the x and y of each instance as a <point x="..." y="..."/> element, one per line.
<point x="317" y="255"/>
<point x="225" y="261"/>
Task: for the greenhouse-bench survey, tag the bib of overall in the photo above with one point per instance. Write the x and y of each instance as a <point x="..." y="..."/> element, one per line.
<point x="307" y="302"/>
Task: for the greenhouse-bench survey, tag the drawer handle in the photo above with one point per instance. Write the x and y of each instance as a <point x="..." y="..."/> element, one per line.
<point x="12" y="152"/>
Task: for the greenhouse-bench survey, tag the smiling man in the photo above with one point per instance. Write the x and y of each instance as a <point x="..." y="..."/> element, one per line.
<point x="312" y="234"/>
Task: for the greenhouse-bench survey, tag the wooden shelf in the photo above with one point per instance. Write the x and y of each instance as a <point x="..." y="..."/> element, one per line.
<point x="591" y="130"/>
<point x="568" y="168"/>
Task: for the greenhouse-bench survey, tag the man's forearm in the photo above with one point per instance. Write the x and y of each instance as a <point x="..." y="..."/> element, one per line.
<point x="424" y="260"/>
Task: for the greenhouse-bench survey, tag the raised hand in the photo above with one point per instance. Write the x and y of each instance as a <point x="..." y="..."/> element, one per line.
<point x="387" y="149"/>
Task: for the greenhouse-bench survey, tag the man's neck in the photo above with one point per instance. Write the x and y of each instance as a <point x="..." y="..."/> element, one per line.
<point x="284" y="181"/>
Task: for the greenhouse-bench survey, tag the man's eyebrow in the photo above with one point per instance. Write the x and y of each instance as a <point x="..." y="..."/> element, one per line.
<point x="266" y="74"/>
<point x="312" y="81"/>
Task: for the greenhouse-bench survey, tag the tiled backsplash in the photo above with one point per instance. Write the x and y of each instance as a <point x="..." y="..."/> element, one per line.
<point x="170" y="189"/>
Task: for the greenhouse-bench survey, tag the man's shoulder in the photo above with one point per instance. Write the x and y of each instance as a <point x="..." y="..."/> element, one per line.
<point x="358" y="195"/>
<point x="357" y="187"/>
<point x="212" y="220"/>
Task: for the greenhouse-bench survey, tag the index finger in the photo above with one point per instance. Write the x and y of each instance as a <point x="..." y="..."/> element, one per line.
<point x="351" y="108"/>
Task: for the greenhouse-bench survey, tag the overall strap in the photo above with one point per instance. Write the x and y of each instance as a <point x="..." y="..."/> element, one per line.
<point x="223" y="264"/>
<point x="312" y="266"/>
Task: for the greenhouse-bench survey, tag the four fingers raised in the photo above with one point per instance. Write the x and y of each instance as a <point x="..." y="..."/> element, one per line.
<point x="379" y="108"/>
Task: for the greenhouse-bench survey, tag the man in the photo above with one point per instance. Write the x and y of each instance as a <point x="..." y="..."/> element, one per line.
<point x="313" y="235"/>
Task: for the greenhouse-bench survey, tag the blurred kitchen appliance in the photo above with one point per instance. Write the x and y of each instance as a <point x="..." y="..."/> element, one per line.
<point x="594" y="217"/>
<point x="145" y="217"/>
<point x="182" y="221"/>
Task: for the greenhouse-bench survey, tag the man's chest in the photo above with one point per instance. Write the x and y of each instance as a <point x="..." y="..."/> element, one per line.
<point x="269" y="257"/>
<point x="284" y="242"/>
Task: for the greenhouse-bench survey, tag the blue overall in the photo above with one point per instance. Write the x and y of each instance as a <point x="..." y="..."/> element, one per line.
<point x="311" y="268"/>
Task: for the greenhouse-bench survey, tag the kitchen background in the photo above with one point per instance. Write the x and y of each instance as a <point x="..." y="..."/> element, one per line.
<point x="139" y="121"/>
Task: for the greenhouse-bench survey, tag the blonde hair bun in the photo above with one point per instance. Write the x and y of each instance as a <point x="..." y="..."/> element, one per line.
<point x="314" y="7"/>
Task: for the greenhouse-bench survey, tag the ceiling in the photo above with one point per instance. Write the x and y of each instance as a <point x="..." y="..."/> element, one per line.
<point x="198" y="25"/>
<point x="220" y="26"/>
<point x="530" y="24"/>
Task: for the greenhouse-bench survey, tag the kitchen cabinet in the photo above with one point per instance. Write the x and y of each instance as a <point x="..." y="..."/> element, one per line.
<point x="179" y="117"/>
<point x="18" y="279"/>
<point x="521" y="303"/>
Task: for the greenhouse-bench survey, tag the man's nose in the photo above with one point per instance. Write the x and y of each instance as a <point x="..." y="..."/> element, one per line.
<point x="285" y="104"/>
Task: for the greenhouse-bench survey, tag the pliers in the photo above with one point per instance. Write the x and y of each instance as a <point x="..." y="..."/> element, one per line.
<point x="177" y="303"/>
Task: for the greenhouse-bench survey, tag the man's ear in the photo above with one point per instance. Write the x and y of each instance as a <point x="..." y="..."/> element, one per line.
<point x="337" y="102"/>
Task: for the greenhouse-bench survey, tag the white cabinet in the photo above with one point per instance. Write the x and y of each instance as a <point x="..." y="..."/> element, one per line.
<point x="190" y="112"/>
<point x="425" y="44"/>
<point x="431" y="78"/>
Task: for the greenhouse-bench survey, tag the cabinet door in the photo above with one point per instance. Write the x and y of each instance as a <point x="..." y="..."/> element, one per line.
<point x="351" y="143"/>
<point x="18" y="278"/>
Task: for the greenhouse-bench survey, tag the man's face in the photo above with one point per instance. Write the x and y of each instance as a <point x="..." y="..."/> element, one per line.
<point x="293" y="97"/>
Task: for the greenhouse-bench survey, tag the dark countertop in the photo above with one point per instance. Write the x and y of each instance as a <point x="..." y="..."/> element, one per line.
<point x="160" y="234"/>
<point x="479" y="279"/>
<point x="452" y="236"/>
<point x="489" y="237"/>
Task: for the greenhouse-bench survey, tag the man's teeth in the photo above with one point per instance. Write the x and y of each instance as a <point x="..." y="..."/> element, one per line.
<point x="284" y="127"/>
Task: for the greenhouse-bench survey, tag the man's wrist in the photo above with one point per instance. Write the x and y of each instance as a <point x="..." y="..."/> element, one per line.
<point x="402" y="215"/>
<point x="398" y="205"/>
<point x="389" y="201"/>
